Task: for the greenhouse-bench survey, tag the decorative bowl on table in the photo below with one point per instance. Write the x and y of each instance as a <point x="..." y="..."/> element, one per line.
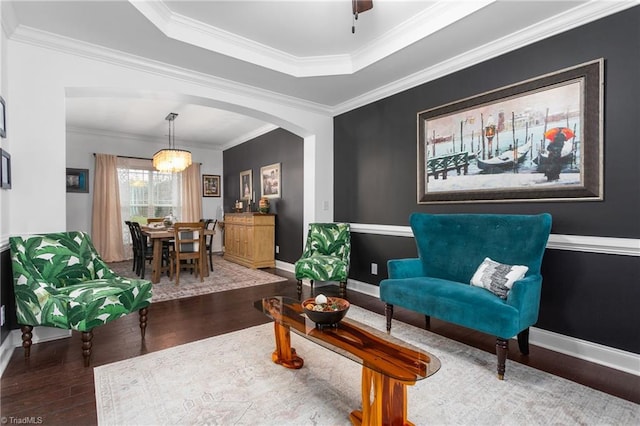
<point x="325" y="311"/>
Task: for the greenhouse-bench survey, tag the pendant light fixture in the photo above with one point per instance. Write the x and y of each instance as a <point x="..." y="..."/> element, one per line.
<point x="171" y="160"/>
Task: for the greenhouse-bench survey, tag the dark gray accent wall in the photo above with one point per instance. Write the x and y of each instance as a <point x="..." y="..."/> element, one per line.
<point x="7" y="296"/>
<point x="585" y="295"/>
<point x="277" y="146"/>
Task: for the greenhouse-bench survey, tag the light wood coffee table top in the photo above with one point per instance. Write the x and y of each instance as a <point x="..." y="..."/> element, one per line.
<point x="388" y="363"/>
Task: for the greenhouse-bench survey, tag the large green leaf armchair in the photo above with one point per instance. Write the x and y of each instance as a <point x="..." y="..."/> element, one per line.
<point x="61" y="281"/>
<point x="326" y="255"/>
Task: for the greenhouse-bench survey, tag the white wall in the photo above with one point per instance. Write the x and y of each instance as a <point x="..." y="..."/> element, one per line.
<point x="83" y="143"/>
<point x="42" y="78"/>
<point x="5" y="144"/>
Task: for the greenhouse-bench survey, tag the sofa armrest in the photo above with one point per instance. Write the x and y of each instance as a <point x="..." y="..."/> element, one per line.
<point x="525" y="297"/>
<point x="405" y="268"/>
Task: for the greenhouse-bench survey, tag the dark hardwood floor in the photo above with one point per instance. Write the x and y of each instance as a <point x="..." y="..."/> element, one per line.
<point x="54" y="387"/>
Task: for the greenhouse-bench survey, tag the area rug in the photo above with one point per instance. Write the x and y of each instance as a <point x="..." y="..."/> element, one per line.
<point x="225" y="276"/>
<point x="231" y="380"/>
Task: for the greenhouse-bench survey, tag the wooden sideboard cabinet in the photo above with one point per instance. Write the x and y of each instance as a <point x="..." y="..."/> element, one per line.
<point x="249" y="239"/>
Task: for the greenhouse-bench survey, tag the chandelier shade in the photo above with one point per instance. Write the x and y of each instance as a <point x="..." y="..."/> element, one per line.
<point x="171" y="160"/>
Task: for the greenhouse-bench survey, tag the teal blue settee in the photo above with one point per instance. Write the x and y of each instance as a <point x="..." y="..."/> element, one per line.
<point x="451" y="248"/>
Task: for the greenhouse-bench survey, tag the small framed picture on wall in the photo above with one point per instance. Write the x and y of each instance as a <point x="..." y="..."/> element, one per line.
<point x="3" y="119"/>
<point x="77" y="180"/>
<point x="270" y="180"/>
<point x="210" y="185"/>
<point x="246" y="185"/>
<point x="5" y="169"/>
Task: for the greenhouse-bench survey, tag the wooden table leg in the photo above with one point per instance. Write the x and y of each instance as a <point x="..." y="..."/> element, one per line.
<point x="156" y="264"/>
<point x="389" y="404"/>
<point x="284" y="354"/>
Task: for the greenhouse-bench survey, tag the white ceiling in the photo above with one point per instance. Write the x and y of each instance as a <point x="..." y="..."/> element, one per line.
<point x="299" y="49"/>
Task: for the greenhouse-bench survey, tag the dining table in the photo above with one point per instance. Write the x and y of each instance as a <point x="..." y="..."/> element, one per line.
<point x="157" y="236"/>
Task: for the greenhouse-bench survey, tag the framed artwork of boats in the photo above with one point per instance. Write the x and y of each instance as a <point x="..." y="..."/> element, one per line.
<point x="537" y="140"/>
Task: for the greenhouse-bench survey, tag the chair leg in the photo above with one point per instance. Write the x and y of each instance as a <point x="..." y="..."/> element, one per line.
<point x="502" y="347"/>
<point x="343" y="289"/>
<point x="26" y="339"/>
<point x="523" y="341"/>
<point x="86" y="346"/>
<point x="143" y="321"/>
<point x="388" y="312"/>
<point x="141" y="274"/>
<point x="210" y="261"/>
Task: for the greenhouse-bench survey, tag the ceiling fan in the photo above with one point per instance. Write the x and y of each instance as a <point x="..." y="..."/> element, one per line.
<point x="359" y="6"/>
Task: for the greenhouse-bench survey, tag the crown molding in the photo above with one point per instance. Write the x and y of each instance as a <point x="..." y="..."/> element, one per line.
<point x="188" y="143"/>
<point x="67" y="45"/>
<point x="429" y="21"/>
<point x="251" y="135"/>
<point x="9" y="19"/>
<point x="566" y="21"/>
<point x="137" y="138"/>
<point x="197" y="33"/>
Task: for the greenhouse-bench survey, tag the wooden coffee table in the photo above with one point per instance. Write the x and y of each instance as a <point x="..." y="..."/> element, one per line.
<point x="388" y="364"/>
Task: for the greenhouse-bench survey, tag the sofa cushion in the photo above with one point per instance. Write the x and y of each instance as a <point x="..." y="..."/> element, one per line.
<point x="497" y="277"/>
<point x="95" y="302"/>
<point x="322" y="268"/>
<point x="452" y="301"/>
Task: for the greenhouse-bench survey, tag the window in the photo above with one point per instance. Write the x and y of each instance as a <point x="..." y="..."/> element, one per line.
<point x="145" y="192"/>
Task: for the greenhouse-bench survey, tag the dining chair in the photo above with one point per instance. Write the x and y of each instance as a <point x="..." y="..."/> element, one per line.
<point x="142" y="250"/>
<point x="210" y="224"/>
<point x="188" y="246"/>
<point x="134" y="246"/>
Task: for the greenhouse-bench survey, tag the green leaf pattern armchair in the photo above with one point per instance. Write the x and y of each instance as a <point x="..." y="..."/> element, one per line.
<point x="326" y="255"/>
<point x="61" y="281"/>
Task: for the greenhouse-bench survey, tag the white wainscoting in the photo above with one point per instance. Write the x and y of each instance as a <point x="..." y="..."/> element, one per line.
<point x="584" y="243"/>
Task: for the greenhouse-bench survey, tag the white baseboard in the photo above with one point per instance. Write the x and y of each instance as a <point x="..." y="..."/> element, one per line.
<point x="577" y="348"/>
<point x="6" y="350"/>
<point x="588" y="351"/>
<point x="39" y="335"/>
<point x="285" y="266"/>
